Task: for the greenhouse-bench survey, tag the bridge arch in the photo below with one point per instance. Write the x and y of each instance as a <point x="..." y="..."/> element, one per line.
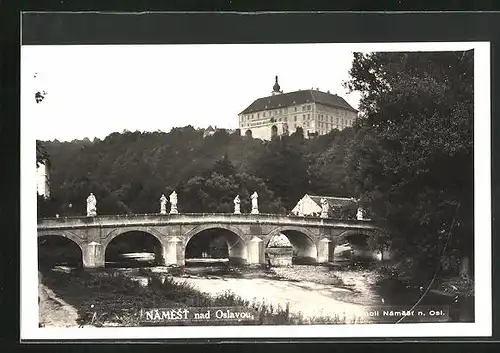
<point x="59" y="248"/>
<point x="353" y="235"/>
<point x="197" y="244"/>
<point x="362" y="242"/>
<point x="120" y="231"/>
<point x="65" y="234"/>
<point x="143" y="239"/>
<point x="202" y="227"/>
<point x="303" y="241"/>
<point x="372" y="233"/>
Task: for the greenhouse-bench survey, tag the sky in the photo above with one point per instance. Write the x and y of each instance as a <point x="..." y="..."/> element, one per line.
<point x="93" y="91"/>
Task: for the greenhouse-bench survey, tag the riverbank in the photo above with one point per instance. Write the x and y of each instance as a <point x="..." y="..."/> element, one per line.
<point x="53" y="311"/>
<point x="300" y="294"/>
<point x="115" y="298"/>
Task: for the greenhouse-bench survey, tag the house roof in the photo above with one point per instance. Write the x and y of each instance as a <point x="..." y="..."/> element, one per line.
<point x="334" y="202"/>
<point x="210" y="128"/>
<point x="298" y="97"/>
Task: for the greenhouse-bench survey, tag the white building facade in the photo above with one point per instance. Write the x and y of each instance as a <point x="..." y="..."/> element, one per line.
<point x="280" y="114"/>
<point x="310" y="205"/>
<point x="42" y="180"/>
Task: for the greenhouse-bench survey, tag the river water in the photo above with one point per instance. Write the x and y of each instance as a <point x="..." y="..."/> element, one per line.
<point x="308" y="291"/>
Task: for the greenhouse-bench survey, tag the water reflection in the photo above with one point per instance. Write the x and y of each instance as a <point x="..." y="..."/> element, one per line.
<point x="132" y="260"/>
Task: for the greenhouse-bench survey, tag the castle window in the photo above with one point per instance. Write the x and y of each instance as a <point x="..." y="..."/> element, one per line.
<point x="308" y="116"/>
<point x="264" y="114"/>
<point x="295" y="118"/>
<point x="303" y="108"/>
<point x="295" y="108"/>
<point x="308" y="107"/>
<point x="304" y="117"/>
<point x="258" y="115"/>
<point x="286" y="110"/>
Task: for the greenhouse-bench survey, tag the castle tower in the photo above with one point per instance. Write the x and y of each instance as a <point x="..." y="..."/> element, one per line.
<point x="276" y="88"/>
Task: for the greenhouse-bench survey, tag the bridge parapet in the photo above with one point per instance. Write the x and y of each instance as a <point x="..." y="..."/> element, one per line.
<point x="197" y="218"/>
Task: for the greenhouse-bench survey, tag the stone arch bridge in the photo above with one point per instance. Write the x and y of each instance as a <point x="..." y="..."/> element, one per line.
<point x="313" y="238"/>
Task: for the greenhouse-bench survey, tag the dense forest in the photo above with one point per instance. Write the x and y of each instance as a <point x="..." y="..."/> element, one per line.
<point x="409" y="158"/>
<point x="129" y="171"/>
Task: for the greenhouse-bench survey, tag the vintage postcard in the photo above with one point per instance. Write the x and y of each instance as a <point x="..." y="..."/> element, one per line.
<point x="255" y="190"/>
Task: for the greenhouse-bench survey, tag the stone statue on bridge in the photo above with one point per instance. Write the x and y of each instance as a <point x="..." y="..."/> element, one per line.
<point x="163" y="204"/>
<point x="91" y="206"/>
<point x="237" y="205"/>
<point x="325" y="207"/>
<point x="255" y="203"/>
<point x="173" y="203"/>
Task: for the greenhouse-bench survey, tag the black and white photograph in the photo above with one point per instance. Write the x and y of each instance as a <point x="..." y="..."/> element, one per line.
<point x="255" y="190"/>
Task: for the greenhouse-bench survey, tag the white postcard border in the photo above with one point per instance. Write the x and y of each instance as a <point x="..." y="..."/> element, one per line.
<point x="482" y="230"/>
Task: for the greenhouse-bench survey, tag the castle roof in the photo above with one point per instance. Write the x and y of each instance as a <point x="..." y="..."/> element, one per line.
<point x="298" y="97"/>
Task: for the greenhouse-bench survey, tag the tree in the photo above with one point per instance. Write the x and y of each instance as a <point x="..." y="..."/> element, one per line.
<point x="224" y="167"/>
<point x="215" y="192"/>
<point x="327" y="173"/>
<point x="42" y="156"/>
<point x="412" y="159"/>
<point x="41" y="153"/>
<point x="284" y="168"/>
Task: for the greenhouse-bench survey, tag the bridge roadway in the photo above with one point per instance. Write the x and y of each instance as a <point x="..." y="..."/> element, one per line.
<point x="247" y="235"/>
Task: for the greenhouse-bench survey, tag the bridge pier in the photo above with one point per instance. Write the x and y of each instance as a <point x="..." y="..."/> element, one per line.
<point x="93" y="255"/>
<point x="323" y="250"/>
<point x="331" y="249"/>
<point x="170" y="250"/>
<point x="255" y="251"/>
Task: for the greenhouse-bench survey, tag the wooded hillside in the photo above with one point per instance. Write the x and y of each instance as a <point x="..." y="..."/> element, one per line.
<point x="129" y="171"/>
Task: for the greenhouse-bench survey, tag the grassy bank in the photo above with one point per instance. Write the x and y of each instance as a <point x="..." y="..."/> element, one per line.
<point x="113" y="299"/>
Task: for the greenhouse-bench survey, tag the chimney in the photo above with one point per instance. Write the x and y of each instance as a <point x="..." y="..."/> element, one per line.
<point x="317" y="89"/>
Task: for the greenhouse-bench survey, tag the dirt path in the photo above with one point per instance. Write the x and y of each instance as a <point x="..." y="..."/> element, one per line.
<point x="53" y="311"/>
<point x="308" y="298"/>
